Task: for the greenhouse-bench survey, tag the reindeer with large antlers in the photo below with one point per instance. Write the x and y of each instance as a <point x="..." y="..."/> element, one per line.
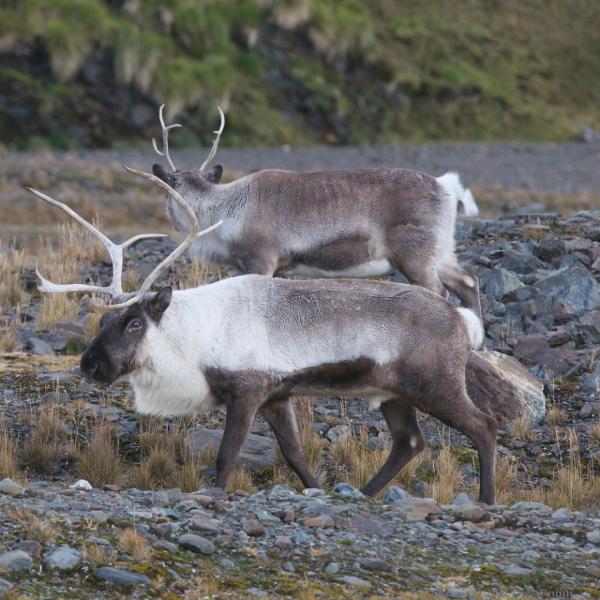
<point x="347" y="223"/>
<point x="251" y="343"/>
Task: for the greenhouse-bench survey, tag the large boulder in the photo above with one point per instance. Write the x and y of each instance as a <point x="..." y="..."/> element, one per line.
<point x="257" y="452"/>
<point x="499" y="385"/>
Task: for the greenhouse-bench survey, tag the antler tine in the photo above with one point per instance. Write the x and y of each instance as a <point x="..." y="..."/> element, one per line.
<point x="115" y="252"/>
<point x="165" y="137"/>
<point x="192" y="235"/>
<point x="215" y="145"/>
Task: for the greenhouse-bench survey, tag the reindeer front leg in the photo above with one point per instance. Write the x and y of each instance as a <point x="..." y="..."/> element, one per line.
<point x="240" y="414"/>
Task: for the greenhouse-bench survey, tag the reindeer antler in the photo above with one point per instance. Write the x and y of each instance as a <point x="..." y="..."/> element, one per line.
<point x="115" y="251"/>
<point x="165" y="138"/>
<point x="215" y="145"/>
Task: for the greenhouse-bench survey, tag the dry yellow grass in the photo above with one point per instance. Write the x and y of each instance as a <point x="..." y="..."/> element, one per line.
<point x="131" y="280"/>
<point x="9" y="341"/>
<point x="99" y="461"/>
<point x="506" y="480"/>
<point x="155" y="470"/>
<point x="556" y="415"/>
<point x="240" y="479"/>
<point x="35" y="528"/>
<point x="8" y="454"/>
<point x="57" y="307"/>
<point x="196" y="273"/>
<point x="45" y="444"/>
<point x="447" y="476"/>
<point x="521" y="429"/>
<point x="354" y="462"/>
<point x="12" y="263"/>
<point x="97" y="555"/>
<point x="595" y="434"/>
<point x="134" y="544"/>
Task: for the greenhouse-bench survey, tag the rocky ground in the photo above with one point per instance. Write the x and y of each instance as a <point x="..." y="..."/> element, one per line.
<point x="539" y="275"/>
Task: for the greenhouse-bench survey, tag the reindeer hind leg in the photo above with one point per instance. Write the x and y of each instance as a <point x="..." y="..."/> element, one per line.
<point x="407" y="442"/>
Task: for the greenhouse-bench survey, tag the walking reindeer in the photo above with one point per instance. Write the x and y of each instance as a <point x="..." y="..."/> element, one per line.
<point x="251" y="343"/>
<point x="346" y="223"/>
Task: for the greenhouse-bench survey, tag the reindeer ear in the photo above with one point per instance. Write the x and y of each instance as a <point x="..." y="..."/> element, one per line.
<point x="214" y="175"/>
<point x="159" y="302"/>
<point x="162" y="173"/>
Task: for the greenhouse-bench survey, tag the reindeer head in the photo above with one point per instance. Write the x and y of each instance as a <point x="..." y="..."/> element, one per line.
<point x="114" y="351"/>
<point x="193" y="184"/>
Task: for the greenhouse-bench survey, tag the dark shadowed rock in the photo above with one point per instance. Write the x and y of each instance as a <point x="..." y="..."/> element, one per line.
<point x="257" y="452"/>
<point x="500" y="385"/>
<point x="496" y="283"/>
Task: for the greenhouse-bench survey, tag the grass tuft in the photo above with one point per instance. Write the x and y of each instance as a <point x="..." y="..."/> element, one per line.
<point x="99" y="461"/>
<point x="8" y="454"/>
<point x="45" y="445"/>
<point x="134" y="544"/>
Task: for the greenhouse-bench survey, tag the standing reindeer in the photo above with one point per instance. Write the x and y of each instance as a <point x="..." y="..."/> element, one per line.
<point x="251" y="343"/>
<point x="350" y="223"/>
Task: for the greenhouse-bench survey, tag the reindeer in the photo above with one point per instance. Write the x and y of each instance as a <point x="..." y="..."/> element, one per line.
<point x="347" y="223"/>
<point x="251" y="343"/>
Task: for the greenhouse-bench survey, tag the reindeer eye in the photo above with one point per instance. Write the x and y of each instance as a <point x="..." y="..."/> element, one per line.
<point x="134" y="325"/>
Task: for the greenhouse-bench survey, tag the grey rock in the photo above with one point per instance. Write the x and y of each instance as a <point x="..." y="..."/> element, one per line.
<point x="539" y="507"/>
<point x="496" y="283"/>
<point x="499" y="384"/>
<point x="394" y="493"/>
<point x="376" y="564"/>
<point x="227" y="564"/>
<point x="593" y="536"/>
<point x="98" y="516"/>
<point x="63" y="558"/>
<point x="257" y="452"/>
<point x="332" y="568"/>
<point x="196" y="543"/>
<point x="562" y="514"/>
<point x="356" y="582"/>
<point x="11" y="488"/>
<point x="203" y="523"/>
<point x="16" y="560"/>
<point x="516" y="570"/>
<point x="167" y="546"/>
<point x="256" y="592"/>
<point x="462" y="498"/>
<point x="289" y="567"/>
<point x="56" y="377"/>
<point x="39" y="346"/>
<point x="348" y="491"/>
<point x="121" y="576"/>
<point x="337" y="432"/>
<point x="5" y="587"/>
<point x="456" y="593"/>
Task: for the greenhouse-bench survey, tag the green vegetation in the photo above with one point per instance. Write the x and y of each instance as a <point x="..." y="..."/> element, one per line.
<point x="91" y="72"/>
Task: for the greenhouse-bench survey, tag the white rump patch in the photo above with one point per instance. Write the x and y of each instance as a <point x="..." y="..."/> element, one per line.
<point x="375" y="402"/>
<point x="451" y="184"/>
<point x="474" y="327"/>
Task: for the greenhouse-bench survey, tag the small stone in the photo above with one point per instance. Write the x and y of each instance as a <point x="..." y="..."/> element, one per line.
<point x="332" y="568"/>
<point x="5" y="587"/>
<point x="588" y="409"/>
<point x="562" y="514"/>
<point x="32" y="547"/>
<point x="289" y="567"/>
<point x="267" y="518"/>
<point x="121" y="576"/>
<point x="63" y="558"/>
<point x="227" y="564"/>
<point x="516" y="570"/>
<point x="16" y="560"/>
<point x="256" y="592"/>
<point x="356" y="582"/>
<point x="348" y="491"/>
<point x="532" y="506"/>
<point x="11" y="488"/>
<point x="39" y="346"/>
<point x="313" y="492"/>
<point x="469" y="512"/>
<point x="207" y="524"/>
<point x="593" y="536"/>
<point x="319" y="521"/>
<point x="196" y="543"/>
<point x="167" y="546"/>
<point x="98" y="516"/>
<point x="376" y="564"/>
<point x="284" y="542"/>
<point x="395" y="493"/>
<point x="254" y="529"/>
<point x="337" y="432"/>
<point x="456" y="593"/>
<point x="462" y="498"/>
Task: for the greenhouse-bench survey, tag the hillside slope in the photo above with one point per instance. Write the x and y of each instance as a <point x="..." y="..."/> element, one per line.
<point x="92" y="72"/>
